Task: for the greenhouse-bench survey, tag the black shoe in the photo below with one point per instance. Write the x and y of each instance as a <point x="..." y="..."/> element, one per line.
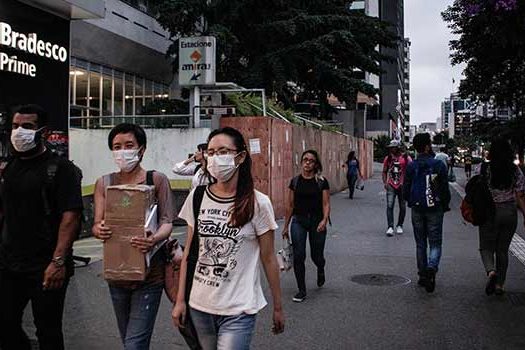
<point x="320" y="278"/>
<point x="299" y="297"/>
<point x="422" y="282"/>
<point x="499" y="291"/>
<point x="431" y="280"/>
<point x="490" y="288"/>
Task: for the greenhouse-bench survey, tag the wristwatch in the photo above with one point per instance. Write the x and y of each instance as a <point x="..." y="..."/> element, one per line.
<point x="58" y="261"/>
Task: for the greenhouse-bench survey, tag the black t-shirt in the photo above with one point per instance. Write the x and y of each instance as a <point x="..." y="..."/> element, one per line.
<point x="308" y="196"/>
<point x="26" y="246"/>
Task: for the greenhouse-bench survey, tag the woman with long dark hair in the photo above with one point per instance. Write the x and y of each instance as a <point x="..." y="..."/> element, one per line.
<point x="308" y="211"/>
<point x="235" y="230"/>
<point x="507" y="186"/>
<point x="353" y="172"/>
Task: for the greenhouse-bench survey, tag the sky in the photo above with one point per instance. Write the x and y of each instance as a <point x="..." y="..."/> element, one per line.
<point x="431" y="72"/>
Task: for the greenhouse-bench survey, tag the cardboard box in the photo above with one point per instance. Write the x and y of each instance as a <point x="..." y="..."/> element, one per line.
<point x="126" y="212"/>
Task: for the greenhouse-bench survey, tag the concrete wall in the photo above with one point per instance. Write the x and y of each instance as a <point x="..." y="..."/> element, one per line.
<point x="89" y="150"/>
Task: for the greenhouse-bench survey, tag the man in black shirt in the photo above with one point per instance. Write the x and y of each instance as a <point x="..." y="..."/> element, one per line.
<point x="41" y="202"/>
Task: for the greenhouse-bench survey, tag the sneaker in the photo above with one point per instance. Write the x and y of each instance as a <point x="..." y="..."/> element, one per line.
<point x="299" y="297"/>
<point x="320" y="278"/>
<point x="431" y="280"/>
<point x="399" y="230"/>
<point x="390" y="232"/>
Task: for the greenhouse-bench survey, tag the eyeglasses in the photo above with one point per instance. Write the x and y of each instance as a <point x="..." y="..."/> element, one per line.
<point x="220" y="152"/>
<point x="309" y="160"/>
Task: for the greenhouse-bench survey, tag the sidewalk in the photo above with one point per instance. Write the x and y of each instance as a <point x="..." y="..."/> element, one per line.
<point x="345" y="314"/>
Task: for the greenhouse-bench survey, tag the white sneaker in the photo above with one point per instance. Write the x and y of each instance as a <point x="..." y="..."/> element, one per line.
<point x="390" y="232"/>
<point x="399" y="230"/>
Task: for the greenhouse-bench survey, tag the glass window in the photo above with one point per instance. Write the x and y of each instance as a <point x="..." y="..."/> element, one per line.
<point x="129" y="95"/>
<point x="81" y="86"/>
<point x="148" y="91"/>
<point x="106" y="95"/>
<point x="94" y="93"/>
<point x="119" y="94"/>
<point x="139" y="95"/>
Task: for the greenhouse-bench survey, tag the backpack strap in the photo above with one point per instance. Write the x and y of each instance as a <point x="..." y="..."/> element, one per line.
<point x="149" y="178"/>
<point x="193" y="255"/>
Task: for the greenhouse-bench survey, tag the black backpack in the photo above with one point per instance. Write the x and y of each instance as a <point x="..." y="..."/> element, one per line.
<point x="479" y="198"/>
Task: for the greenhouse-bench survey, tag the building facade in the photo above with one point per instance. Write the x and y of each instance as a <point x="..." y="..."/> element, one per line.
<point x="393" y="116"/>
<point x="118" y="63"/>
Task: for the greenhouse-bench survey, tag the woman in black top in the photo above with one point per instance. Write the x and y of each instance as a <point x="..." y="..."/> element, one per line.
<point x="308" y="210"/>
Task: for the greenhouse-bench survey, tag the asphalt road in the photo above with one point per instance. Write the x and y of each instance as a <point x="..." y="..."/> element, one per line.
<point x="345" y="314"/>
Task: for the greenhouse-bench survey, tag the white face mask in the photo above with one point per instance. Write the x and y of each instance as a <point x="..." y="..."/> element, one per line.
<point x="222" y="167"/>
<point x="23" y="140"/>
<point x="126" y="159"/>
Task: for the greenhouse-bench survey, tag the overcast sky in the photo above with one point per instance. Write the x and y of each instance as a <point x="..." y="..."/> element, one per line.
<point x="430" y="70"/>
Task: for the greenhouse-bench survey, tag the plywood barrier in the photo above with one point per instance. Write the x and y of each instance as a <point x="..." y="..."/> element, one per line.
<point x="276" y="148"/>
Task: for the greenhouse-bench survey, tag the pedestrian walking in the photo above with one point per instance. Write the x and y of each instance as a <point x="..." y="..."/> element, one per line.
<point x="194" y="166"/>
<point x="40" y="209"/>
<point x="230" y="234"/>
<point x="427" y="192"/>
<point x="353" y="172"/>
<point x="309" y="212"/>
<point x="468" y="165"/>
<point x="135" y="303"/>
<point x="507" y="187"/>
<point x="394" y="167"/>
<point x="443" y="156"/>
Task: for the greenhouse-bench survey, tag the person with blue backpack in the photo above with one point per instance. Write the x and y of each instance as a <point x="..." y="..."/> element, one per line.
<point x="428" y="195"/>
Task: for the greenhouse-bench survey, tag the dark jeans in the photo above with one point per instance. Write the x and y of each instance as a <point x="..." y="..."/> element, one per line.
<point x="352" y="179"/>
<point x="16" y="291"/>
<point x="391" y="194"/>
<point x="136" y="311"/>
<point x="428" y="231"/>
<point x="495" y="237"/>
<point x="301" y="228"/>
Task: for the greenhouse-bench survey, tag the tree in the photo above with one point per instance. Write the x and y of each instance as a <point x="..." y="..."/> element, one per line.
<point x="492" y="44"/>
<point x="381" y="143"/>
<point x="318" y="45"/>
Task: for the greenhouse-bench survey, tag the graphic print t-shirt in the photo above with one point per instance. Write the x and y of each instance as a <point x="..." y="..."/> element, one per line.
<point x="227" y="278"/>
<point x="396" y="168"/>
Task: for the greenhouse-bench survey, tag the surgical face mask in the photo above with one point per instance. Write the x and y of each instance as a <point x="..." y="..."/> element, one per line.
<point x="127" y="159"/>
<point x="24" y="140"/>
<point x="222" y="167"/>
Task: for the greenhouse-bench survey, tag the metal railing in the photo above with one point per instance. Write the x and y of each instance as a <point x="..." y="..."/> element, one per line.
<point x="162" y="121"/>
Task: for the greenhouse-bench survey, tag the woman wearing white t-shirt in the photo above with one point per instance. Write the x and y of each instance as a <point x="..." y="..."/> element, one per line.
<point x="235" y="228"/>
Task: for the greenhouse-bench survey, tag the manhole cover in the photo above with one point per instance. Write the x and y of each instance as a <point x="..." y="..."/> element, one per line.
<point x="380" y="280"/>
<point x="516" y="299"/>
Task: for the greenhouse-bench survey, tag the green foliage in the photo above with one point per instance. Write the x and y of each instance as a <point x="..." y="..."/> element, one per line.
<point x="380" y="147"/>
<point x="491" y="41"/>
<point x="316" y="44"/>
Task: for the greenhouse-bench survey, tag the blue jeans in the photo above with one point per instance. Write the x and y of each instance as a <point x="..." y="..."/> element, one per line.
<point x="428" y="230"/>
<point x="218" y="332"/>
<point x="136" y="312"/>
<point x="391" y="194"/>
<point x="301" y="228"/>
<point x="352" y="179"/>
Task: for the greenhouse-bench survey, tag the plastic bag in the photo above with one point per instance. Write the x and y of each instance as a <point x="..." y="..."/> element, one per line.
<point x="285" y="256"/>
<point x="360" y="184"/>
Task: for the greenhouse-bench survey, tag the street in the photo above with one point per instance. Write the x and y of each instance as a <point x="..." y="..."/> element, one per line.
<point x="392" y="313"/>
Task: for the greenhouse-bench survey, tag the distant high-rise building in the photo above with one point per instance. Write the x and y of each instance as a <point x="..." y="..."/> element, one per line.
<point x="393" y="119"/>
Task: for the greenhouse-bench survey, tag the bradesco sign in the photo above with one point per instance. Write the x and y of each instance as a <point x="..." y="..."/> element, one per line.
<point x="28" y="43"/>
<point x="197" y="61"/>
